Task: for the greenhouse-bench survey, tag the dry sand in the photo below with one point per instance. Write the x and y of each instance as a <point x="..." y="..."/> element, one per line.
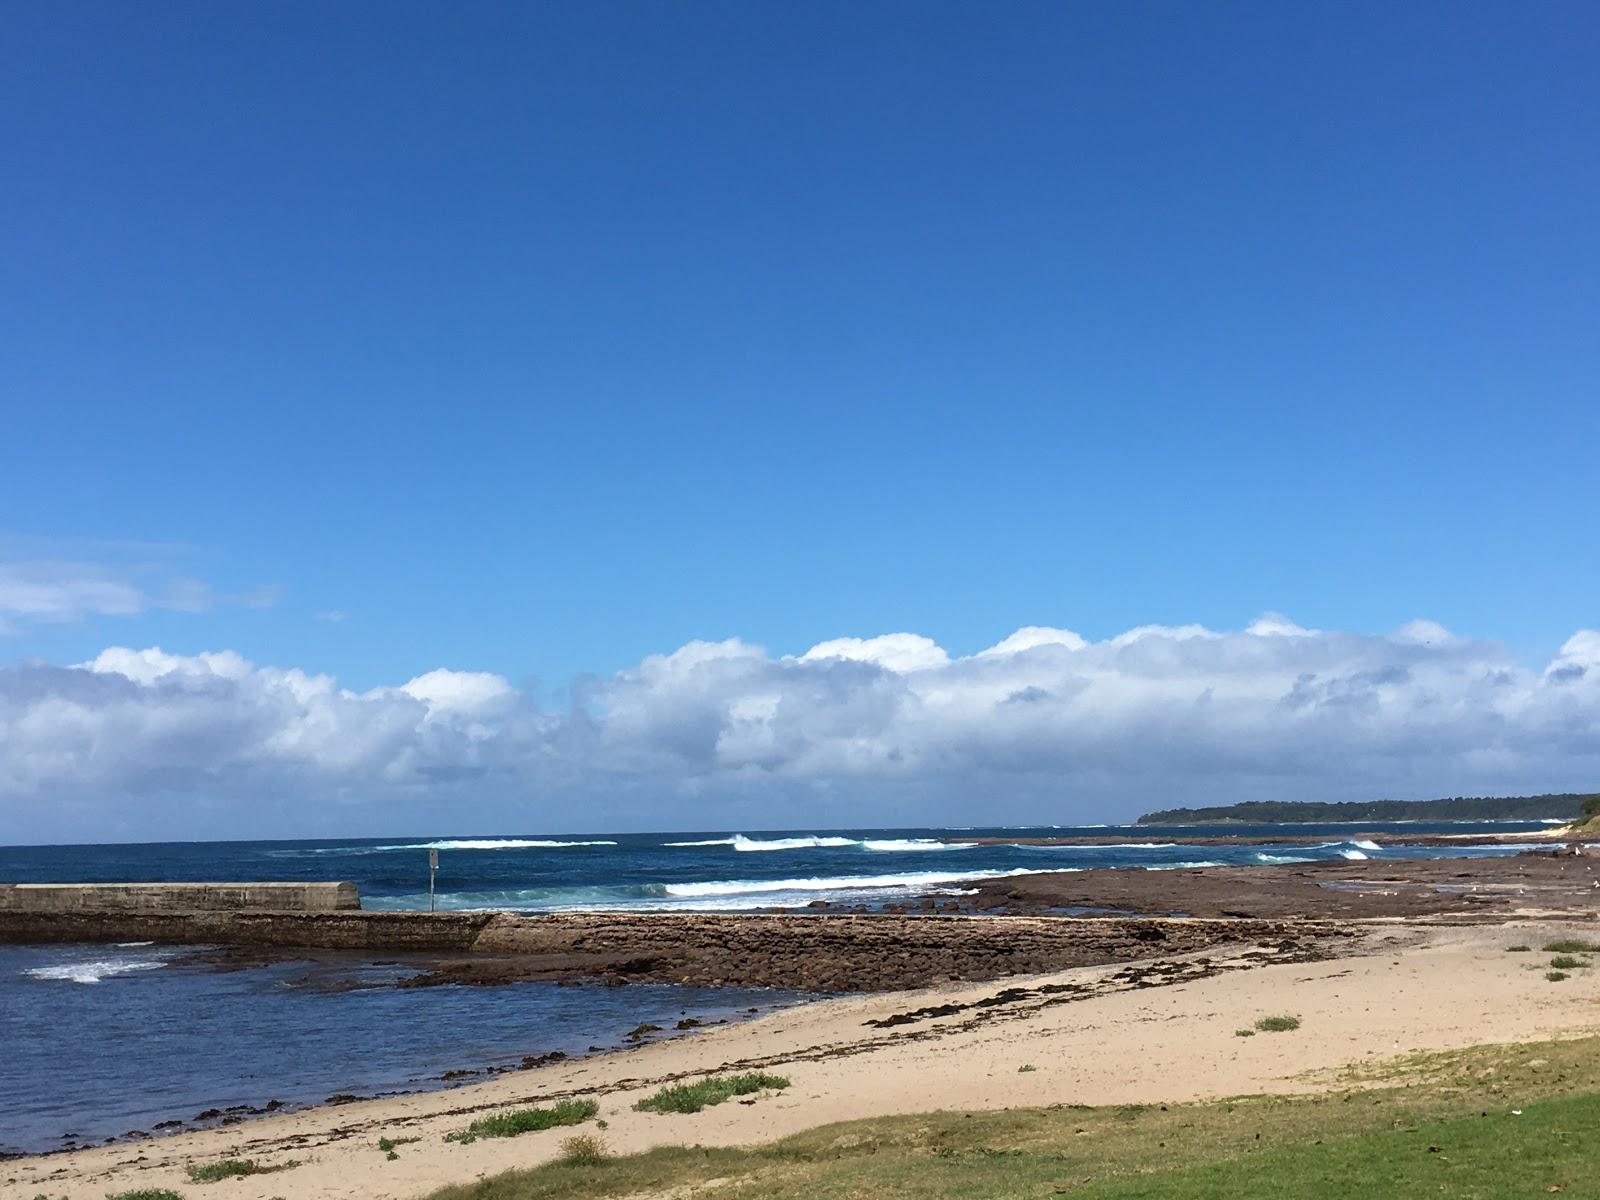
<point x="1161" y="1031"/>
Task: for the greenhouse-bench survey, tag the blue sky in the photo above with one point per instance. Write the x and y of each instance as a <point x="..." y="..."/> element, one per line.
<point x="536" y="339"/>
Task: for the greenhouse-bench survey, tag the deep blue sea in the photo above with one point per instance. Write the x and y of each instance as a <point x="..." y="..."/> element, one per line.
<point x="698" y="871"/>
<point x="99" y="1041"/>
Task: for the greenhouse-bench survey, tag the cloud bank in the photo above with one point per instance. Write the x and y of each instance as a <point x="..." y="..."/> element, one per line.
<point x="1044" y="726"/>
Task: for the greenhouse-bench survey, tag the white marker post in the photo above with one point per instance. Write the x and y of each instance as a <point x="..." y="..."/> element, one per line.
<point x="433" y="866"/>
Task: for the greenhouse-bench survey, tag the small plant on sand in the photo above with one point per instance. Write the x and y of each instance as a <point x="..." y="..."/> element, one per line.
<point x="1519" y="948"/>
<point x="1244" y="1033"/>
<point x="1566" y="962"/>
<point x="226" y="1169"/>
<point x="1277" y="1024"/>
<point x="230" y="1168"/>
<point x="1025" y="1068"/>
<point x="526" y="1120"/>
<point x="385" y="1143"/>
<point x="692" y="1097"/>
<point x="1572" y="946"/>
<point x="1555" y="976"/>
<point x="142" y="1194"/>
<point x="583" y="1150"/>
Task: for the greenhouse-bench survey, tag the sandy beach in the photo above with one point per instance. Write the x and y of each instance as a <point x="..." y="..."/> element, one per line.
<point x="1158" y="1030"/>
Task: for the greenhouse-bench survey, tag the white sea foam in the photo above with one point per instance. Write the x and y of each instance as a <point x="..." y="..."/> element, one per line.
<point x="712" y="895"/>
<point x="496" y="844"/>
<point x="1282" y="858"/>
<point x="740" y="842"/>
<point x="746" y="844"/>
<point x="1205" y="862"/>
<point x="842" y="883"/>
<point x="1102" y="846"/>
<point x="1363" y="844"/>
<point x="1351" y="854"/>
<point x="910" y="845"/>
<point x="727" y="841"/>
<point x="94" y="971"/>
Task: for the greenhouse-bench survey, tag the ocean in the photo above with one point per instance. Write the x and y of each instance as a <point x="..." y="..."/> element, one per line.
<point x="103" y="1042"/>
<point x="703" y="871"/>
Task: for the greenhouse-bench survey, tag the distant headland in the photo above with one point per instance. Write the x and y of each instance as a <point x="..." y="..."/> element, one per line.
<point x="1564" y="806"/>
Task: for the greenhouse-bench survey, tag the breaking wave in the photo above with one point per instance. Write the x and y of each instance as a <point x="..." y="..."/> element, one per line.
<point x="496" y="844"/>
<point x="817" y="841"/>
<point x="93" y="971"/>
<point x="842" y="883"/>
<point x="911" y="845"/>
<point x="714" y="894"/>
<point x="739" y="842"/>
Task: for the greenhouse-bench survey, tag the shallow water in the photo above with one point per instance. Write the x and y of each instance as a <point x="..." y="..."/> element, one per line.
<point x="100" y="1041"/>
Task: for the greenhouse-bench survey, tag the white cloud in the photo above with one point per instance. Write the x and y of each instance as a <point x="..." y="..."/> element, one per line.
<point x="45" y="591"/>
<point x="1031" y="636"/>
<point x="894" y="651"/>
<point x="50" y="591"/>
<point x="1042" y="726"/>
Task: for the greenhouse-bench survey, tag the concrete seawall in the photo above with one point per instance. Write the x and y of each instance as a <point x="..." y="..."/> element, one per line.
<point x="322" y="916"/>
<point x="178" y="897"/>
<point x="443" y="933"/>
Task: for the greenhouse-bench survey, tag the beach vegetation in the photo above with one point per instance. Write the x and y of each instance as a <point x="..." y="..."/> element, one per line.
<point x="232" y="1168"/>
<point x="1519" y="948"/>
<point x="1555" y="976"/>
<point x="1025" y="1068"/>
<point x="141" y="1194"/>
<point x="583" y="1150"/>
<point x="1458" y="1125"/>
<point x="1566" y="962"/>
<point x="388" y="1143"/>
<point x="1244" y="1033"/>
<point x="1278" y="1024"/>
<point x="1572" y="946"/>
<point x="526" y="1120"/>
<point x="692" y="1097"/>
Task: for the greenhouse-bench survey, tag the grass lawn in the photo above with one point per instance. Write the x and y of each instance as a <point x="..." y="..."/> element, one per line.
<point x="1432" y="1125"/>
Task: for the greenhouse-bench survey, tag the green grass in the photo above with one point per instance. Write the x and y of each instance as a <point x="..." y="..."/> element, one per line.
<point x="1566" y="962"/>
<point x="1371" y="1137"/>
<point x="1518" y="949"/>
<point x="1572" y="946"/>
<point x="386" y="1143"/>
<point x="583" y="1150"/>
<point x="526" y="1120"/>
<point x="692" y="1097"/>
<point x="1555" y="976"/>
<point x="1278" y="1024"/>
<point x="142" y="1194"/>
<point x="230" y="1168"/>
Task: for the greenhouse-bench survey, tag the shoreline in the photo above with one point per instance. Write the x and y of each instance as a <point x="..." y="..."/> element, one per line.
<point x="985" y="960"/>
<point x="1157" y="1031"/>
